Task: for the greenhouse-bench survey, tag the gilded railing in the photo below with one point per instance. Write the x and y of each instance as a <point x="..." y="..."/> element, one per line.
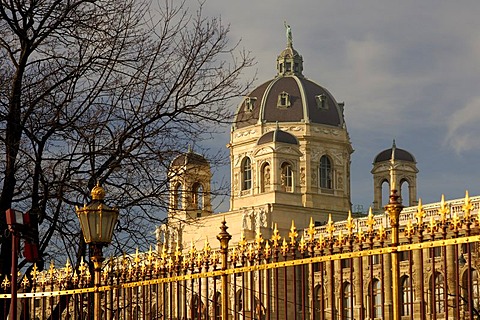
<point x="328" y="272"/>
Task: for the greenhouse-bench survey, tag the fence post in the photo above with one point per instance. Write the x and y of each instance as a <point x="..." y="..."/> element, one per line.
<point x="394" y="207"/>
<point x="224" y="237"/>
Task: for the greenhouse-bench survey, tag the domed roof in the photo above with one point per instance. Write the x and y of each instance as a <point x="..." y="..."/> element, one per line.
<point x="289" y="97"/>
<point x="277" y="136"/>
<point x="397" y="153"/>
<point x="189" y="157"/>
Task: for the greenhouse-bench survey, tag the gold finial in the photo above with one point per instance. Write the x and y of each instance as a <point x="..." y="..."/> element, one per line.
<point x="311" y="231"/>
<point x="258" y="240"/>
<point x="443" y="211"/>
<point x="350" y="224"/>
<point x="275" y="236"/>
<point x="293" y="234"/>
<point x="467" y="206"/>
<point x="360" y="236"/>
<point x="98" y="193"/>
<point x="381" y="233"/>
<point x="267" y="249"/>
<point x="302" y="245"/>
<point x="330" y="227"/>
<point x="409" y="229"/>
<point x="420" y="213"/>
<point x="432" y="226"/>
<point x="455" y="223"/>
<point x="370" y="221"/>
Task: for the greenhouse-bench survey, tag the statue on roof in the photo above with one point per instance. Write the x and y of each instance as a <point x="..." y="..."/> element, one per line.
<point x="288" y="33"/>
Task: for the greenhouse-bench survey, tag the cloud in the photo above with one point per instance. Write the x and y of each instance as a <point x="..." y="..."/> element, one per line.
<point x="464" y="127"/>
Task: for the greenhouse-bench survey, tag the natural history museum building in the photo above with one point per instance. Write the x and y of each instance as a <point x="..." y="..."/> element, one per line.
<point x="290" y="155"/>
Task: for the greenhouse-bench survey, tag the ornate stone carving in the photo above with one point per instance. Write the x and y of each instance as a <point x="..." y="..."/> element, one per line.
<point x="302" y="176"/>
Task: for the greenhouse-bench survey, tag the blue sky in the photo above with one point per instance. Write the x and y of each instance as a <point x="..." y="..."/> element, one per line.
<point x="406" y="70"/>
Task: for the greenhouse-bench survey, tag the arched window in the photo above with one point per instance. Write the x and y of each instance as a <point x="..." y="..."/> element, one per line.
<point x="347" y="301"/>
<point x="287" y="177"/>
<point x="197" y="308"/>
<point x="437" y="300"/>
<point x="197" y="195"/>
<point x="326" y="173"/>
<point x="217" y="299"/>
<point x="265" y="176"/>
<point x="246" y="174"/>
<point x="319" y="303"/>
<point x="177" y="196"/>
<point x="239" y="301"/>
<point x="405" y="192"/>
<point x="405" y="296"/>
<point x="475" y="290"/>
<point x="376" y="299"/>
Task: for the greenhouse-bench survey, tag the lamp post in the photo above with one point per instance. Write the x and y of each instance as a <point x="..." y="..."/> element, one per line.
<point x="97" y="221"/>
<point x="224" y="237"/>
<point x="15" y="226"/>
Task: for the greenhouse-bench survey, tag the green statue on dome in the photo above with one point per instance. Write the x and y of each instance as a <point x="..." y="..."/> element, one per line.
<point x="289" y="34"/>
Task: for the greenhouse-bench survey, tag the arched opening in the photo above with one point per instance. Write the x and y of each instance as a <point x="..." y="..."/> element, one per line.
<point x="239" y="301"/>
<point x="197" y="195"/>
<point x="475" y="291"/>
<point x="406" y="296"/>
<point x="437" y="293"/>
<point x="217" y="305"/>
<point x="197" y="308"/>
<point x="177" y="196"/>
<point x="375" y="299"/>
<point x="286" y="177"/>
<point x="318" y="301"/>
<point x="347" y="301"/>
<point x="246" y="174"/>
<point x="265" y="177"/>
<point x="405" y="192"/>
<point x="326" y="173"/>
<point x="385" y="193"/>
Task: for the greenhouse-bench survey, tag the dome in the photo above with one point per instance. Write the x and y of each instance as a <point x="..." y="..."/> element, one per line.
<point x="277" y="136"/>
<point x="289" y="97"/>
<point x="189" y="157"/>
<point x="398" y="154"/>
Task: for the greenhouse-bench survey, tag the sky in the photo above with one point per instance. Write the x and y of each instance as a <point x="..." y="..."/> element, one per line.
<point x="406" y="70"/>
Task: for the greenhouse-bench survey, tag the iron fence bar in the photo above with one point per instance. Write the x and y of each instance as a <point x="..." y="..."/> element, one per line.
<point x="235" y="297"/>
<point x="215" y="301"/>
<point x="295" y="304"/>
<point x="184" y="295"/>
<point x="277" y="297"/>
<point x="341" y="290"/>
<point x="206" y="297"/>
<point x="351" y="286"/>
<point x="268" y="290"/>
<point x="252" y="293"/>
<point x="285" y="294"/>
<point x="433" y="288"/>
<point x="446" y="286"/>
<point x="311" y="285"/>
<point x="382" y="279"/>
<point x="332" y="286"/>
<point x="422" y="285"/>
<point x="170" y="300"/>
<point x="469" y="282"/>
<point x="322" y="291"/>
<point x="244" y="302"/>
<point x="360" y="263"/>
<point x="370" y="288"/>
<point x="410" y="278"/>
<point x="179" y="296"/>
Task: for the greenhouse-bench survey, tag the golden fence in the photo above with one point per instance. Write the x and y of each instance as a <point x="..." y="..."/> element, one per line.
<point x="386" y="266"/>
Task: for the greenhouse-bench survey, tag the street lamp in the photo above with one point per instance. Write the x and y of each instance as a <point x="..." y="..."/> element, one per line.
<point x="97" y="221"/>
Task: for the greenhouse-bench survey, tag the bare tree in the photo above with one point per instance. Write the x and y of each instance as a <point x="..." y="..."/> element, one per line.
<point x="107" y="90"/>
